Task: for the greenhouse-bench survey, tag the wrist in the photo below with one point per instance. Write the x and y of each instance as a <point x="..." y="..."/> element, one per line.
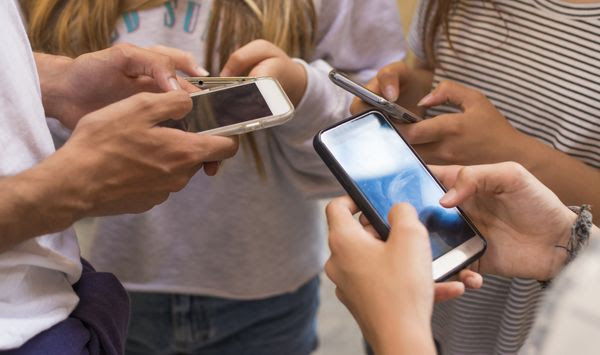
<point x="558" y="253"/>
<point x="405" y="338"/>
<point x="69" y="176"/>
<point x="403" y="333"/>
<point x="48" y="196"/>
<point x="54" y="86"/>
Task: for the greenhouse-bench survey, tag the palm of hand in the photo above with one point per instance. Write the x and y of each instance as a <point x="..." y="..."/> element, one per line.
<point x="523" y="226"/>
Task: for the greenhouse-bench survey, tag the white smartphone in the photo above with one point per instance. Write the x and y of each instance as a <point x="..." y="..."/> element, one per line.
<point x="237" y="108"/>
<point x="378" y="168"/>
<point x="390" y="108"/>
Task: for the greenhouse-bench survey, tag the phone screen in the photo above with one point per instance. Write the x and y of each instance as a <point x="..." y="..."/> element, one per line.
<point x="225" y="107"/>
<point x="386" y="171"/>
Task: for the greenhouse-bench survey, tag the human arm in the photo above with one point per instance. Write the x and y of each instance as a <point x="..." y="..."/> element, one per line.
<point x="117" y="161"/>
<point x="480" y="134"/>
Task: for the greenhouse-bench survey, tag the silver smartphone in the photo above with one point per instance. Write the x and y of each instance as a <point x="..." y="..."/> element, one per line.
<point x="378" y="168"/>
<point x="241" y="106"/>
<point x="211" y="82"/>
<point x="390" y="108"/>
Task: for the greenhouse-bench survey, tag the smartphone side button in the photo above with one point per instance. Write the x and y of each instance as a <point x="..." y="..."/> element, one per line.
<point x="253" y="126"/>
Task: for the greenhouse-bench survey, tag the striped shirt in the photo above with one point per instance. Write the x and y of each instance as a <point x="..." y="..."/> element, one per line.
<point x="538" y="61"/>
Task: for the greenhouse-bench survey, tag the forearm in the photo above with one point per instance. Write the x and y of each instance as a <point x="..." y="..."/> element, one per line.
<point x="51" y="71"/>
<point x="574" y="182"/>
<point x="44" y="199"/>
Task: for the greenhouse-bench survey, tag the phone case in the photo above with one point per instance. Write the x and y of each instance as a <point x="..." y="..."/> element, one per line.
<point x="361" y="200"/>
<point x="253" y="125"/>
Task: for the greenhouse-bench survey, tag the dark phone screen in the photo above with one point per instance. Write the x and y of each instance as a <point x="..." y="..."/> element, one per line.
<point x="386" y="171"/>
<point x="225" y="107"/>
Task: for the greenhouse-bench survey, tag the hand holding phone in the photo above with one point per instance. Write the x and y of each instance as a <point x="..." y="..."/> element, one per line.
<point x="379" y="169"/>
<point x="390" y="108"/>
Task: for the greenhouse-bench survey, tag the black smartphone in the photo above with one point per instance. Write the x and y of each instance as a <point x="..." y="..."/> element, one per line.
<point x="378" y="168"/>
<point x="391" y="108"/>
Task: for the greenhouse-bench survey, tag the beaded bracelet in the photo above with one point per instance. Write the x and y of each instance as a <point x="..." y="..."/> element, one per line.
<point x="580" y="231"/>
<point x="580" y="234"/>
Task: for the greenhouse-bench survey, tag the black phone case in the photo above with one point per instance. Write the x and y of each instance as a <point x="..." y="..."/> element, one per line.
<point x="363" y="203"/>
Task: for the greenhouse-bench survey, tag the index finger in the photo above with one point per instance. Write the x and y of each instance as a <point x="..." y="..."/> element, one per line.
<point x="184" y="61"/>
<point x="211" y="148"/>
<point x="247" y="57"/>
<point x="446" y="174"/>
<point x="389" y="78"/>
<point x="135" y="61"/>
<point x="359" y="105"/>
<point x="428" y="131"/>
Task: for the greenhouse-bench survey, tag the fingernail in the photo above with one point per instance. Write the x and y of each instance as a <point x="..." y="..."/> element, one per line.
<point x="473" y="281"/>
<point x="390" y="93"/>
<point x="448" y="197"/>
<point x="225" y="72"/>
<point x="201" y="71"/>
<point x="174" y="84"/>
<point x="426" y="101"/>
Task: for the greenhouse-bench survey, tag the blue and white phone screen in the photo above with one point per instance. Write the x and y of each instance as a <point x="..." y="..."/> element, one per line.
<point x="387" y="172"/>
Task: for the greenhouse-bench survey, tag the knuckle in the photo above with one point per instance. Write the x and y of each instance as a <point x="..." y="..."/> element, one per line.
<point x="260" y="41"/>
<point x="466" y="174"/>
<point x="180" y="182"/>
<point x="236" y="58"/>
<point x="189" y="57"/>
<point x="144" y="101"/>
<point x="123" y="46"/>
<point x="477" y="95"/>
<point x="331" y="207"/>
<point x="445" y="85"/>
<point x="329" y="269"/>
<point x="334" y="241"/>
<point x="455" y="126"/>
<point x="516" y="168"/>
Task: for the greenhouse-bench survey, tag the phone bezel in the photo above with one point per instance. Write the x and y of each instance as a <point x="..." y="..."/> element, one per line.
<point x="445" y="265"/>
<point x="273" y="94"/>
<point x="390" y="108"/>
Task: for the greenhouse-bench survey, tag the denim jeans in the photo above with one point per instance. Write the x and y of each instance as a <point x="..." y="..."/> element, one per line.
<point x="185" y="324"/>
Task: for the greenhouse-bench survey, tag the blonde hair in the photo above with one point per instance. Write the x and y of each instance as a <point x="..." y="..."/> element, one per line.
<point x="74" y="27"/>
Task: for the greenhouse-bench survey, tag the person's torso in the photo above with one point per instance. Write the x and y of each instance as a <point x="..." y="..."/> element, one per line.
<point x="35" y="275"/>
<point x="237" y="234"/>
<point x="234" y="235"/>
<point x="538" y="61"/>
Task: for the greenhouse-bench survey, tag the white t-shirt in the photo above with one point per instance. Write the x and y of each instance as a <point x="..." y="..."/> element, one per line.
<point x="36" y="275"/>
